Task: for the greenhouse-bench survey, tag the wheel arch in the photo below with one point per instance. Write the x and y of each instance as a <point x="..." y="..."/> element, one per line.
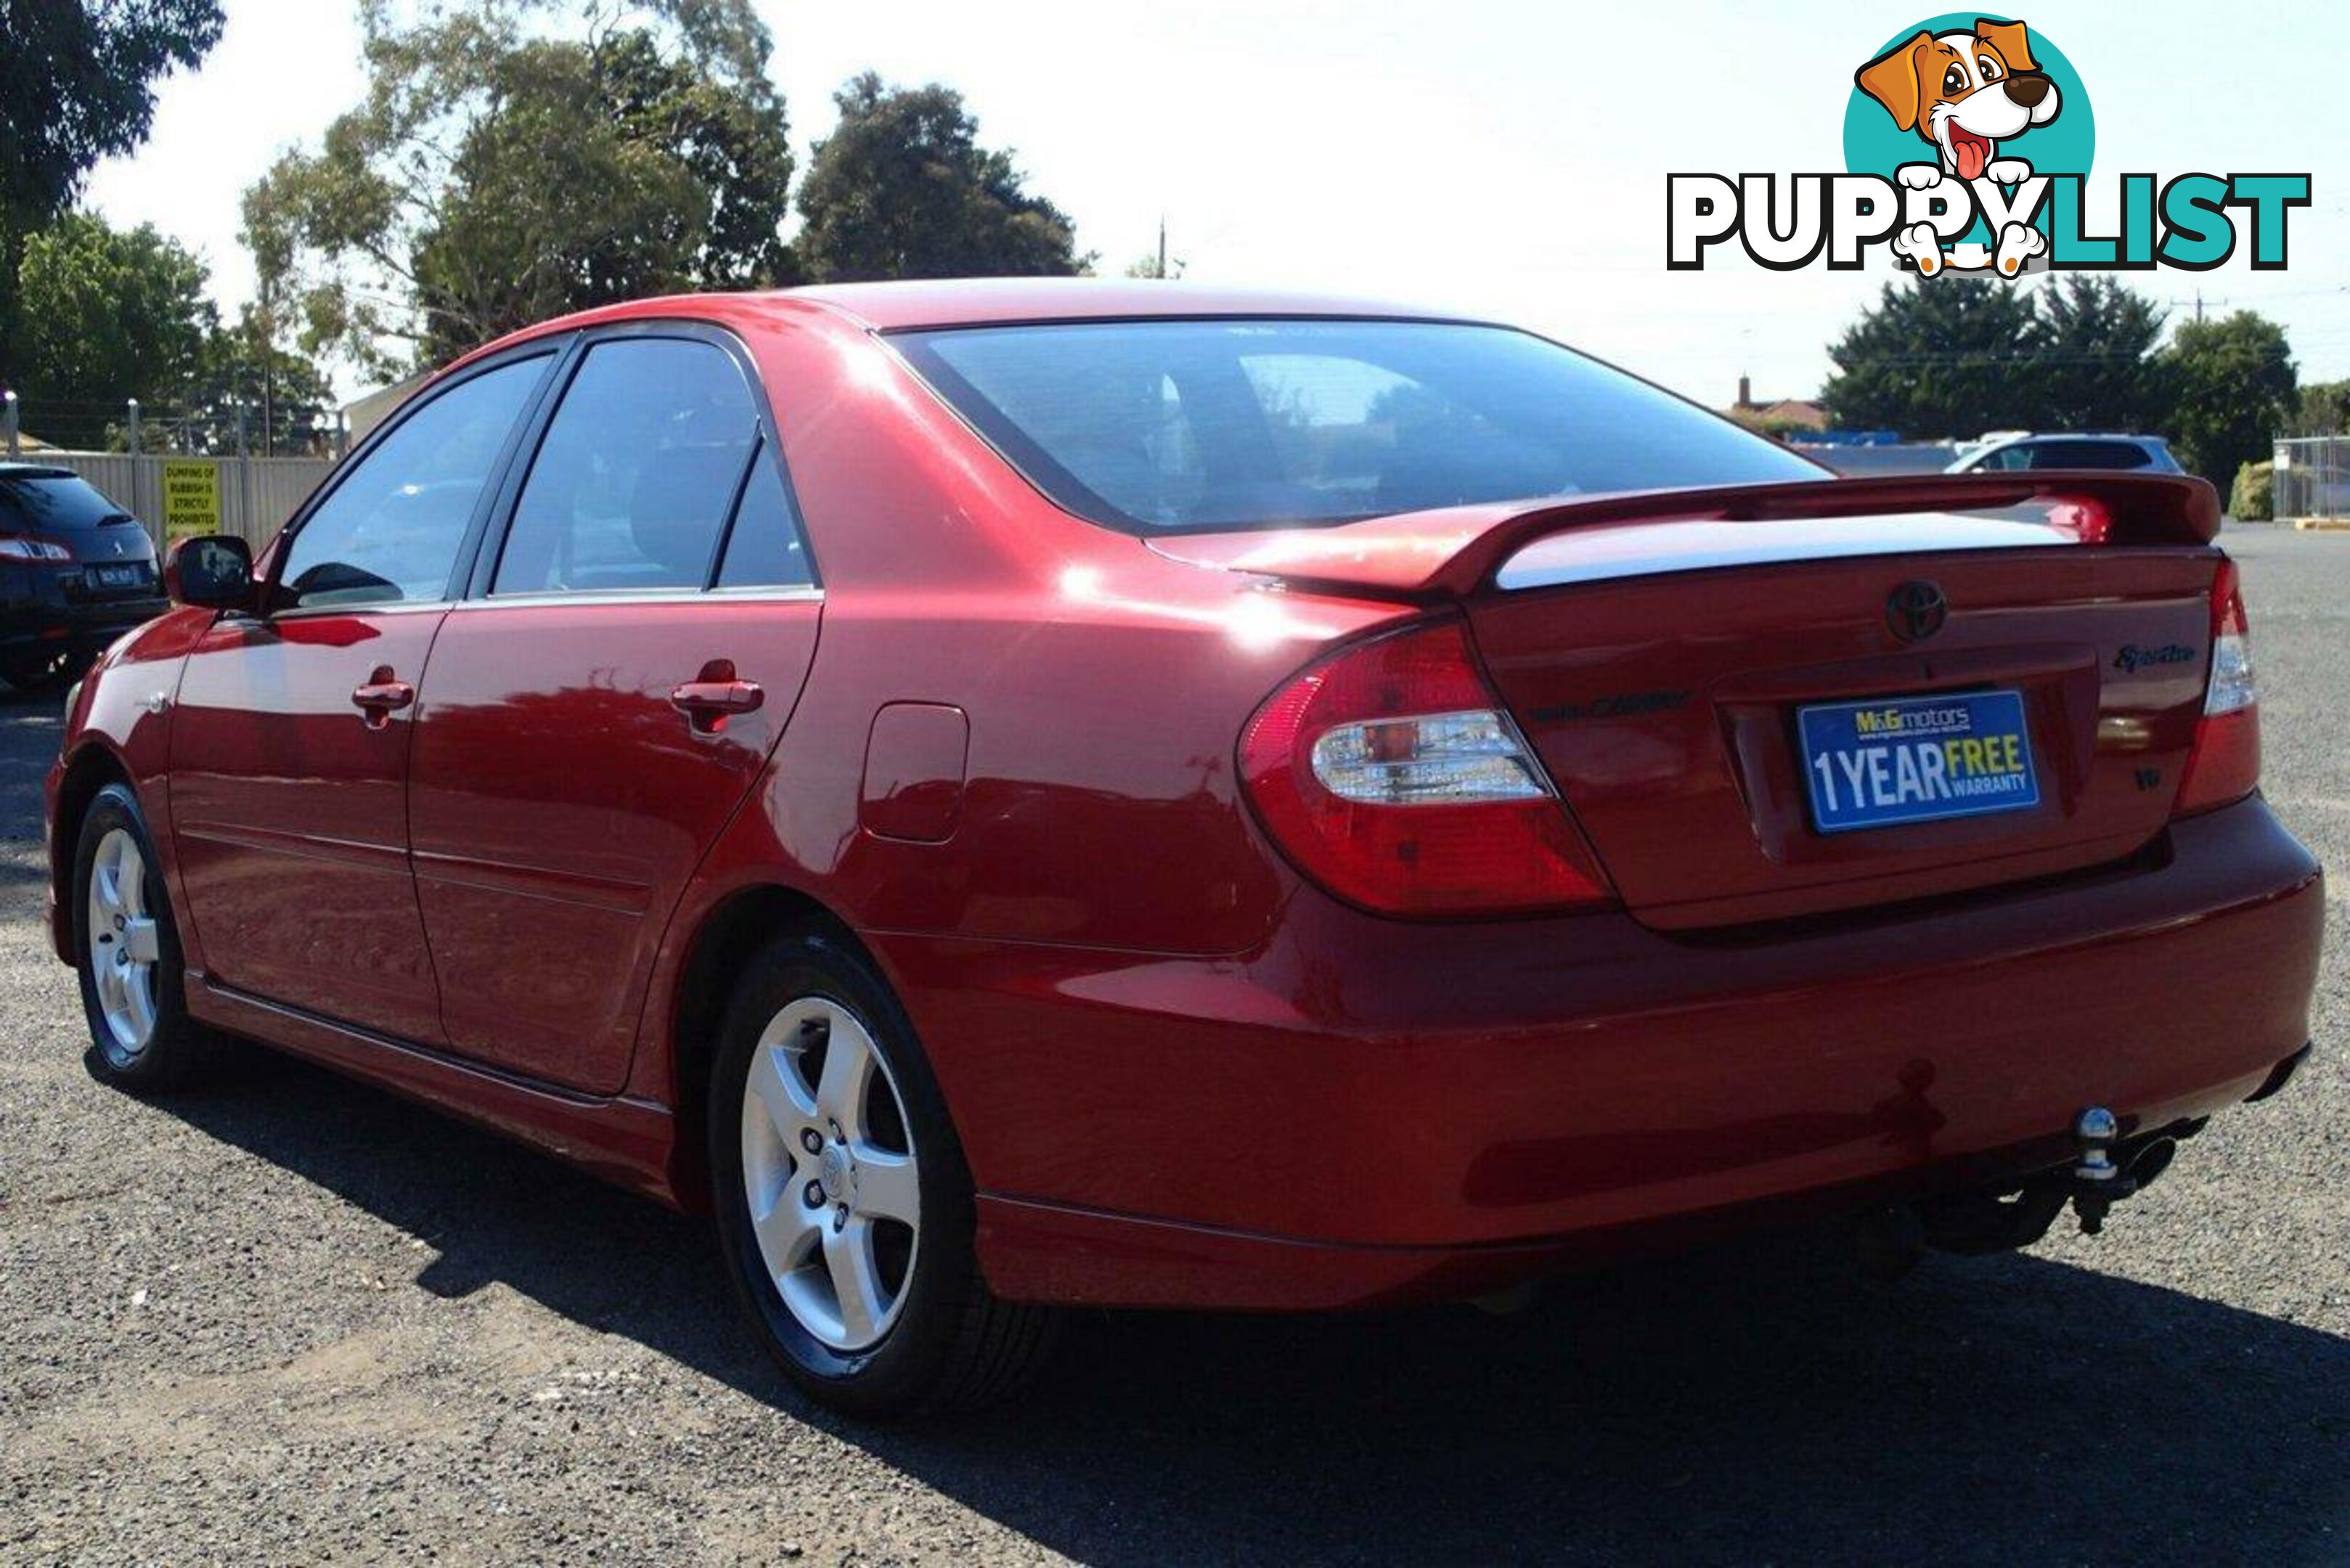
<point x="729" y="933"/>
<point x="92" y="768"/>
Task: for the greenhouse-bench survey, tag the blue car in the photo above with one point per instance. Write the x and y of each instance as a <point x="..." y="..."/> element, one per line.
<point x="76" y="572"/>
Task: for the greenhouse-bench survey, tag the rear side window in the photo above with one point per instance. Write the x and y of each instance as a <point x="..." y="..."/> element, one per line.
<point x="764" y="551"/>
<point x="2090" y="454"/>
<point x="391" y="530"/>
<point x="1150" y="426"/>
<point x="636" y="476"/>
<point x="53" y="504"/>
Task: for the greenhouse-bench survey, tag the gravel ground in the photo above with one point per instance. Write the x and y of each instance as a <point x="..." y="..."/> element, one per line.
<point x="293" y="1317"/>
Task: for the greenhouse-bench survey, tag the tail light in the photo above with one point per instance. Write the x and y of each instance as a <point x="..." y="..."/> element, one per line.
<point x="1391" y="774"/>
<point x="15" y="547"/>
<point x="2225" y="765"/>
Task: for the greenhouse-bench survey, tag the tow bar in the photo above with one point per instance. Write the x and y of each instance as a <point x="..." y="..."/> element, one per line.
<point x="2097" y="1183"/>
<point x="2106" y="1167"/>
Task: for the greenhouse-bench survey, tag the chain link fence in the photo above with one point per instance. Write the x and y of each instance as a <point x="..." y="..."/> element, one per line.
<point x="221" y="471"/>
<point x="2312" y="480"/>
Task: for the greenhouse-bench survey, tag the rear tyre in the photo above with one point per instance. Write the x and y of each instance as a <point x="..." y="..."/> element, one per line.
<point x="127" y="952"/>
<point x="844" y="1204"/>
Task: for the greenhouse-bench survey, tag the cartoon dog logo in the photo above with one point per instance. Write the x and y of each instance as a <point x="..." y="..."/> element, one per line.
<point x="1964" y="93"/>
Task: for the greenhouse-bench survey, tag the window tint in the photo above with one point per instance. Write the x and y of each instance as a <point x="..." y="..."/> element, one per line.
<point x="633" y="484"/>
<point x="2089" y="454"/>
<point x="52" y="503"/>
<point x="391" y="529"/>
<point x="2008" y="458"/>
<point x="764" y="549"/>
<point x="1147" y="425"/>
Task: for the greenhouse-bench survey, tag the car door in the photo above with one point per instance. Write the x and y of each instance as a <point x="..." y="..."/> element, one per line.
<point x="600" y="705"/>
<point x="290" y="746"/>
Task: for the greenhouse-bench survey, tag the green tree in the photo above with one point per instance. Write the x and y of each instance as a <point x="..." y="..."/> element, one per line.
<point x="109" y="315"/>
<point x="2097" y="364"/>
<point x="1940" y="359"/>
<point x="77" y="84"/>
<point x="902" y="189"/>
<point x="281" y="397"/>
<point x="503" y="168"/>
<point x="2236" y="389"/>
<point x="2324" y="409"/>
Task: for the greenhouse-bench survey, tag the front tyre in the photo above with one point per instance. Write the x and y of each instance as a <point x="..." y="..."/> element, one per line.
<point x="842" y="1202"/>
<point x="127" y="952"/>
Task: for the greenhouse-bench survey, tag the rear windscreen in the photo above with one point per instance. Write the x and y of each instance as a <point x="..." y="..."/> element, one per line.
<point x="52" y="504"/>
<point x="1150" y="426"/>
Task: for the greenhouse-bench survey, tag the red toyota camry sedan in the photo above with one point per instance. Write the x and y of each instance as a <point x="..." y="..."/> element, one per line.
<point x="1009" y="795"/>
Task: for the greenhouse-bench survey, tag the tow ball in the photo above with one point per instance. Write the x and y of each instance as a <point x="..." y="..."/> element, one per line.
<point x="2106" y="1169"/>
<point x="2097" y="1183"/>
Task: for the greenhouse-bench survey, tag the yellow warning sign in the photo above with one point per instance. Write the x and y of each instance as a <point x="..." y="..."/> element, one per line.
<point x="191" y="498"/>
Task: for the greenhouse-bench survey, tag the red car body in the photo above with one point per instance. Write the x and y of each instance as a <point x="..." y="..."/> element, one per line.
<point x="1004" y="747"/>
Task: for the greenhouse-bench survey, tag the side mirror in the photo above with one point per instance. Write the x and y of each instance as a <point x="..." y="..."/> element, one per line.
<point x="213" y="571"/>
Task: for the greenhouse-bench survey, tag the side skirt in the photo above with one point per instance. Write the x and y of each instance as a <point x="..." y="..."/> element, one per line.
<point x="626" y="1141"/>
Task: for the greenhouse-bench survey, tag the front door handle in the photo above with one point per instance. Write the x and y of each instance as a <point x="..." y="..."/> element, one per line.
<point x="710" y="699"/>
<point x="383" y="695"/>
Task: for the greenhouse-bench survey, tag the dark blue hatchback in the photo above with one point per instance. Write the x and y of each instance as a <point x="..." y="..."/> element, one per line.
<point x="76" y="572"/>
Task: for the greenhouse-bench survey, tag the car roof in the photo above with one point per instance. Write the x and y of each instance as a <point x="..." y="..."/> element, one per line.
<point x="2076" y="435"/>
<point x="965" y="302"/>
<point x="33" y="470"/>
<point x="979" y="301"/>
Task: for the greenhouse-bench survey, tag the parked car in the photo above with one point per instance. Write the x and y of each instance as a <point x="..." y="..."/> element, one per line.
<point x="2010" y="450"/>
<point x="76" y="572"/>
<point x="1013" y="795"/>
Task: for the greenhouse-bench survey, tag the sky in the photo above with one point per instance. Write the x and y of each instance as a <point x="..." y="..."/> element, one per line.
<point x="1482" y="155"/>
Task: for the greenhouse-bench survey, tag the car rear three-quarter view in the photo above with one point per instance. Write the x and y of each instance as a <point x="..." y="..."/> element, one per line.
<point x="76" y="572"/>
<point x="1010" y="795"/>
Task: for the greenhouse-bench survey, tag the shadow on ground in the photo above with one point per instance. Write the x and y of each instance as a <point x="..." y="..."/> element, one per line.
<point x="31" y="723"/>
<point x="1754" y="1403"/>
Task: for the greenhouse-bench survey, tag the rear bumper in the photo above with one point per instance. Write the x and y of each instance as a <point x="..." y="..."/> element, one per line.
<point x="1372" y="1111"/>
<point x="36" y="620"/>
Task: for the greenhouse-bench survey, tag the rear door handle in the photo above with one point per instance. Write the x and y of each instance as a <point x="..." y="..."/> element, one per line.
<point x="383" y="695"/>
<point x="716" y="694"/>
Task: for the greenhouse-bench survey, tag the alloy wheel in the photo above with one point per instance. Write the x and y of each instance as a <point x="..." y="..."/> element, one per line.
<point x="124" y="945"/>
<point x="830" y="1174"/>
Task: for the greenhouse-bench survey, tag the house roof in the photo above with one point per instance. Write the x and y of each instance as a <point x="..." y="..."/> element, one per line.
<point x="1787" y="410"/>
<point x="363" y="414"/>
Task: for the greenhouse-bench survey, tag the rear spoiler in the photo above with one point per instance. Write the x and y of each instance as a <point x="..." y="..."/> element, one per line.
<point x="1457" y="550"/>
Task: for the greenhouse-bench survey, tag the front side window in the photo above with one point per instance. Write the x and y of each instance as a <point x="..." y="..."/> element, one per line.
<point x="391" y="530"/>
<point x="638" y="473"/>
<point x="1148" y="426"/>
